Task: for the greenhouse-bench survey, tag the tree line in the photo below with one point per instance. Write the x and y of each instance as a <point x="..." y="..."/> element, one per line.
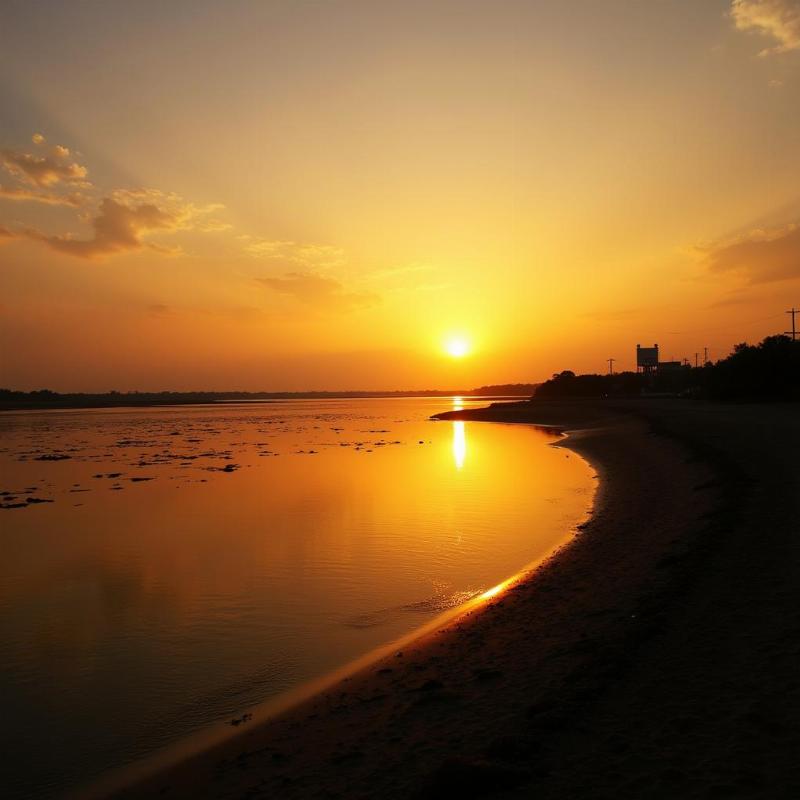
<point x="769" y="370"/>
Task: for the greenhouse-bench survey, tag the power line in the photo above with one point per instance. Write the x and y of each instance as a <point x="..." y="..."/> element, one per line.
<point x="793" y="332"/>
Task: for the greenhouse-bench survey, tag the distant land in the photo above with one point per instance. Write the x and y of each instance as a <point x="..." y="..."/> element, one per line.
<point x="11" y="400"/>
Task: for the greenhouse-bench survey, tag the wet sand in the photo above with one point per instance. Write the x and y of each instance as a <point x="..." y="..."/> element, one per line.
<point x="657" y="654"/>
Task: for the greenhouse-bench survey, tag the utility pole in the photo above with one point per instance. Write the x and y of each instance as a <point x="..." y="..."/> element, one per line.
<point x="696" y="356"/>
<point x="705" y="356"/>
<point x="611" y="365"/>
<point x="793" y="312"/>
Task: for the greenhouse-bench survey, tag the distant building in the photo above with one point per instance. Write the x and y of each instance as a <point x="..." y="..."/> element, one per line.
<point x="646" y="358"/>
<point x="647" y="361"/>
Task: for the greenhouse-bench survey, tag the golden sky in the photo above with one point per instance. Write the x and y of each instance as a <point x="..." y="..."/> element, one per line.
<point x="320" y="195"/>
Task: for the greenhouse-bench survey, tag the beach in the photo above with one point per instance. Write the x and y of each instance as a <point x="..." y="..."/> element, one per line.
<point x="655" y="654"/>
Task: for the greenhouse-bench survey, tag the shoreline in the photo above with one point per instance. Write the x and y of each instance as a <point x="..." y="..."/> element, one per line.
<point x="591" y="676"/>
<point x="119" y="781"/>
<point x="201" y="743"/>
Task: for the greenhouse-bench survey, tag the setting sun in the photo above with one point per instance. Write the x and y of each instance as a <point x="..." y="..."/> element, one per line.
<point x="457" y="347"/>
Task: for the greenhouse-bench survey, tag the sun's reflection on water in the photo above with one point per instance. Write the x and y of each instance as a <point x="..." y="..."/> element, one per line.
<point x="459" y="444"/>
<point x="459" y="436"/>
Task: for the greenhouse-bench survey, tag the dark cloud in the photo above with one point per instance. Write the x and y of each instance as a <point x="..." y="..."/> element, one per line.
<point x="761" y="256"/>
<point x="318" y="291"/>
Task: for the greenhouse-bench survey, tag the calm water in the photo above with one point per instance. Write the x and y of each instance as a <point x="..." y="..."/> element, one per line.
<point x="188" y="563"/>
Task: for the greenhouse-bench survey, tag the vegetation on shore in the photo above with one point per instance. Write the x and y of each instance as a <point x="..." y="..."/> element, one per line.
<point x="769" y="370"/>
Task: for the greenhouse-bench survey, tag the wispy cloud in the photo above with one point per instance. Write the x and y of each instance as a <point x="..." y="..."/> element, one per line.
<point x="318" y="291"/>
<point x="23" y="194"/>
<point x="763" y="256"/>
<point x="124" y="222"/>
<point x="307" y="278"/>
<point x="299" y="254"/>
<point x="777" y="19"/>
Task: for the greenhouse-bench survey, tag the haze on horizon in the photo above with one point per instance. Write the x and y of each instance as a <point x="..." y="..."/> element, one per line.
<point x="303" y="195"/>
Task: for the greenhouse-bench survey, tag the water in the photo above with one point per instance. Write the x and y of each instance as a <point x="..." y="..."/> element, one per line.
<point x="187" y="563"/>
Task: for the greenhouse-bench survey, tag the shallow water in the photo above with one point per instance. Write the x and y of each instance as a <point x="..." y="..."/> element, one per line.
<point x="165" y="569"/>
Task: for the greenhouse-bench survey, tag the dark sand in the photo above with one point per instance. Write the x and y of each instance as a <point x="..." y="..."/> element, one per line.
<point x="657" y="655"/>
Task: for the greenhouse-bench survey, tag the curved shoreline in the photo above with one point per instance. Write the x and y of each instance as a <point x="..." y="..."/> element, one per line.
<point x="432" y="714"/>
<point x="121" y="780"/>
<point x="617" y="668"/>
<point x="200" y="744"/>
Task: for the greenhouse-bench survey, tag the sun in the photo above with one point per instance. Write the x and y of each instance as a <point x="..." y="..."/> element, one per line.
<point x="457" y="346"/>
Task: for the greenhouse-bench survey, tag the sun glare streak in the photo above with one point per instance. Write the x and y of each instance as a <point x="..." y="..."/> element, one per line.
<point x="459" y="444"/>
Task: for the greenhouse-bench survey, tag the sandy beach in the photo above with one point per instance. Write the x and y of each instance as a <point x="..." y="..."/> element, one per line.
<point x="655" y="655"/>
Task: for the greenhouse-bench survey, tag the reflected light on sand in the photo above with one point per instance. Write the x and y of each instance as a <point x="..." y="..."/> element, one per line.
<point x="499" y="589"/>
<point x="494" y="591"/>
<point x="459" y="444"/>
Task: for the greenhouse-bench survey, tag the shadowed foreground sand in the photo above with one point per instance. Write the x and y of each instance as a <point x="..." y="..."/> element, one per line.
<point x="656" y="655"/>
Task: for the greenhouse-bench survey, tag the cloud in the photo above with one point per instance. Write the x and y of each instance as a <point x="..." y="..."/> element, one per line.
<point x="125" y="220"/>
<point x="308" y="279"/>
<point x="308" y="256"/>
<point x="763" y="256"/>
<point x="214" y="226"/>
<point x="5" y="233"/>
<point x="777" y="19"/>
<point x="55" y="178"/>
<point x="318" y="291"/>
<point x="44" y="171"/>
<point x="73" y="199"/>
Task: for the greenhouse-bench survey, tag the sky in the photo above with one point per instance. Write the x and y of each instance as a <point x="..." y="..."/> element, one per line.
<point x="307" y="195"/>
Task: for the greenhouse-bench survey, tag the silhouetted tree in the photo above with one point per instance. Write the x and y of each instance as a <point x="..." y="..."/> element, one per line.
<point x="766" y="371"/>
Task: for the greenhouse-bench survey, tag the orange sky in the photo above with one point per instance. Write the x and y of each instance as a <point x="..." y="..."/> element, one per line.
<point x="303" y="195"/>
